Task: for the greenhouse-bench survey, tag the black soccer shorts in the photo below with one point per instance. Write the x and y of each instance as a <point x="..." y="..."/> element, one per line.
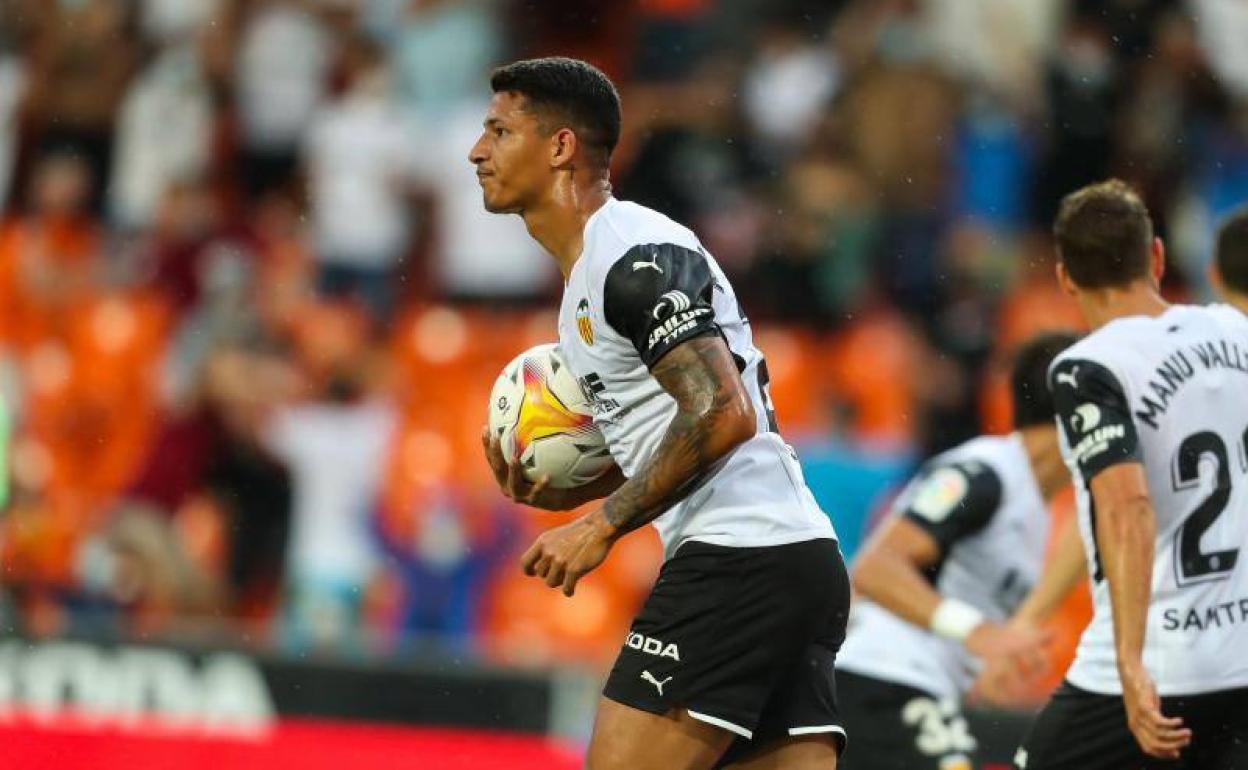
<point x="742" y="638"/>
<point x="897" y="727"/>
<point x="1080" y="730"/>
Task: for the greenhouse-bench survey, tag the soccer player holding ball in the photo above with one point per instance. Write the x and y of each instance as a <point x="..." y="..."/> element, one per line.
<point x="730" y="661"/>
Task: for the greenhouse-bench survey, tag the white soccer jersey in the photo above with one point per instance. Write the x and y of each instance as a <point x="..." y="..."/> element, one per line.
<point x="981" y="503"/>
<point x="1170" y="392"/>
<point x="642" y="285"/>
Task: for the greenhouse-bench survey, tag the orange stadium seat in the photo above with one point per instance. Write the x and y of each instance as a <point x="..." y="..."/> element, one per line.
<point x="871" y="366"/>
<point x="91" y="395"/>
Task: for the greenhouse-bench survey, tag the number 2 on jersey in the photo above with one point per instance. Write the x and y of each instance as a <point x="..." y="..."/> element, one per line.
<point x="1191" y="563"/>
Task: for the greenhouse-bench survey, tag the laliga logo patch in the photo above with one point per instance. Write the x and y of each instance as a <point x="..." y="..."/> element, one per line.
<point x="583" y="324"/>
<point x="940" y="494"/>
<point x="669" y="304"/>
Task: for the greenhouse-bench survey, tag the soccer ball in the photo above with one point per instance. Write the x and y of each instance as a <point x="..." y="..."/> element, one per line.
<point x="541" y="417"/>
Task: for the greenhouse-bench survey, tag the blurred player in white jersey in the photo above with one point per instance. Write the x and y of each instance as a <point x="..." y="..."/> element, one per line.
<point x="730" y="661"/>
<point x="941" y="576"/>
<point x="1230" y="263"/>
<point x="1153" y="409"/>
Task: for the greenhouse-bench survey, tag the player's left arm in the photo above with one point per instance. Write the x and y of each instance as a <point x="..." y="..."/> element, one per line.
<point x="714" y="415"/>
<point x="1092" y="409"/>
<point x="659" y="297"/>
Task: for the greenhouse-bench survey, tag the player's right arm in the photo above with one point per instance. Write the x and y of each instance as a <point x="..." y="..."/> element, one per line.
<point x="1092" y="409"/>
<point x="943" y="506"/>
<point x="1126" y="525"/>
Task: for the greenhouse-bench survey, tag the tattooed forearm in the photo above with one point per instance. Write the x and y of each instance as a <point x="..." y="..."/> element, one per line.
<point x="714" y="415"/>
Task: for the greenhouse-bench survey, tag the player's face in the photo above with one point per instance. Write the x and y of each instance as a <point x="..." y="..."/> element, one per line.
<point x="510" y="156"/>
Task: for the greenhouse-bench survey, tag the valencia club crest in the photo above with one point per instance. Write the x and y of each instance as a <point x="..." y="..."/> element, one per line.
<point x="583" y="324"/>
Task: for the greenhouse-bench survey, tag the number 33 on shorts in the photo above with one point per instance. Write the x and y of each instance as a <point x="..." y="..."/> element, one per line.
<point x="941" y="731"/>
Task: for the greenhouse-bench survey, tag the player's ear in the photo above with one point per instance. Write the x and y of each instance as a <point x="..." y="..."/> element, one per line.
<point x="563" y="146"/>
<point x="1158" y="256"/>
<point x="1063" y="279"/>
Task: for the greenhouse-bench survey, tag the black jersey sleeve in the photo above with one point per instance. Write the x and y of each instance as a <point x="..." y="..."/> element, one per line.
<point x="1093" y="412"/>
<point x="658" y="296"/>
<point x="951" y="501"/>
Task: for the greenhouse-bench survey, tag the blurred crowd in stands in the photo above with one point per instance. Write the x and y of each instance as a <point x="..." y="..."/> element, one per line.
<point x="251" y="308"/>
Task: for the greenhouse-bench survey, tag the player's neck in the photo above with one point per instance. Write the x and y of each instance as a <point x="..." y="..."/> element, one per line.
<point x="1100" y="306"/>
<point x="1045" y="458"/>
<point x="558" y="222"/>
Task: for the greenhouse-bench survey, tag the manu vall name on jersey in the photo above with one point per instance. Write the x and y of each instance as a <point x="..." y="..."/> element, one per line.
<point x="1180" y="367"/>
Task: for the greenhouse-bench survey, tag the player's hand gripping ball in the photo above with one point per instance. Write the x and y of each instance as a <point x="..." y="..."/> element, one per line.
<point x="541" y="417"/>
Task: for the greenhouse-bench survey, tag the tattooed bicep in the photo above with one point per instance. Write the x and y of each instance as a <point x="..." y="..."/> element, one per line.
<point x="700" y="373"/>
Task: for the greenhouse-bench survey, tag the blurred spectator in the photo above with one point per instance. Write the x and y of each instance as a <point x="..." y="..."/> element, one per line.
<point x="359" y="160"/>
<point x="186" y="226"/>
<point x="445" y="564"/>
<point x="900" y="125"/>
<point x="998" y="45"/>
<point x="994" y="167"/>
<point x="208" y="471"/>
<point x="177" y="21"/>
<point x="1222" y="26"/>
<point x="696" y="158"/>
<point x="1082" y="85"/>
<point x="284" y="280"/>
<point x="138" y="570"/>
<point x="476" y="255"/>
<point x="283" y="66"/>
<point x="163" y="134"/>
<point x="439" y="50"/>
<point x="239" y="383"/>
<point x="819" y="268"/>
<point x="81" y="74"/>
<point x="789" y="85"/>
<point x="335" y="447"/>
<point x="1172" y="96"/>
<point x="48" y="256"/>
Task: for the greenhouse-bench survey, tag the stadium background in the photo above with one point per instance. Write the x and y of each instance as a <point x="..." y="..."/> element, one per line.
<point x="250" y="311"/>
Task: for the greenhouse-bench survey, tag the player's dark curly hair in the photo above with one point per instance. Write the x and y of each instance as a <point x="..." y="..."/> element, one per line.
<point x="1104" y="235"/>
<point x="1033" y="403"/>
<point x="570" y="93"/>
<point x="1232" y="250"/>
